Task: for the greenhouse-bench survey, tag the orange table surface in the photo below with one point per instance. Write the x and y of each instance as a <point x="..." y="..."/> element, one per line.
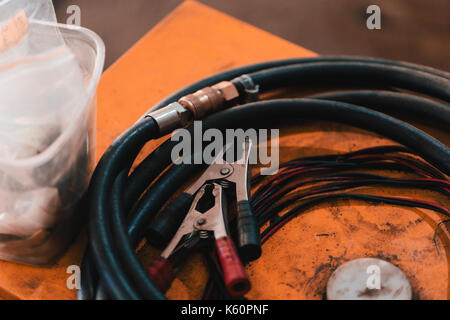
<point x="193" y="42"/>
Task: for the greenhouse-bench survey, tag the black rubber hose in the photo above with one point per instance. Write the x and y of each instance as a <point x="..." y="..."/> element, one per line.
<point x="155" y="197"/>
<point x="353" y="72"/>
<point x="104" y="254"/>
<point x="145" y="174"/>
<point x="89" y="277"/>
<point x="124" y="247"/>
<point x="164" y="150"/>
<point x="228" y="75"/>
<point x="429" y="148"/>
<point x="426" y="146"/>
<point x="386" y="101"/>
<point x="232" y="121"/>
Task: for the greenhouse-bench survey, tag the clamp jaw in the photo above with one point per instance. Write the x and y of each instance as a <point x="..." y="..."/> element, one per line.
<point x="207" y="220"/>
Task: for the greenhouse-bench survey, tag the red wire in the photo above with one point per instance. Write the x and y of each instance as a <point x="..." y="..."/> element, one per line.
<point x="391" y="158"/>
<point x="283" y="222"/>
<point x="297" y="185"/>
<point x="291" y="172"/>
<point x="342" y="178"/>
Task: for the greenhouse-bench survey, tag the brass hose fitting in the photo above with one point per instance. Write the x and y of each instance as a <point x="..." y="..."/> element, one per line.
<point x="209" y="99"/>
<point x="194" y="106"/>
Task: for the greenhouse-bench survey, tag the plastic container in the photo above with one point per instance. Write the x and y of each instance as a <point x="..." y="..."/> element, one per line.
<point x="48" y="187"/>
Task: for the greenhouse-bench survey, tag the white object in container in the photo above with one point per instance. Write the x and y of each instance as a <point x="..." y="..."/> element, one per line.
<point x="42" y="184"/>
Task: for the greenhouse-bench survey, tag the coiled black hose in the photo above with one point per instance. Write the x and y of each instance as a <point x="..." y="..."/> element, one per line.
<point x="118" y="213"/>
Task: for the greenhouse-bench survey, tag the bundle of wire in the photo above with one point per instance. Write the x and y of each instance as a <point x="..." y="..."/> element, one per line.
<point x="122" y="203"/>
<point x="281" y="193"/>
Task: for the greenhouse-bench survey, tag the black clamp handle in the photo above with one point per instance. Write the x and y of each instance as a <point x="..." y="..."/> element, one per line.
<point x="249" y="240"/>
<point x="164" y="226"/>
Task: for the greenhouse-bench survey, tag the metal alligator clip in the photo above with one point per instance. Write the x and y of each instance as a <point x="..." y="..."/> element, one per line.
<point x="207" y="219"/>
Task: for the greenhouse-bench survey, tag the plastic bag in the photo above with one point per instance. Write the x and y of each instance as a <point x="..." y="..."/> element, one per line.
<point x="46" y="132"/>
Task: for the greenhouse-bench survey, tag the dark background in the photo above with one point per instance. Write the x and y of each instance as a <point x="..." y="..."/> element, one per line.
<point x="412" y="30"/>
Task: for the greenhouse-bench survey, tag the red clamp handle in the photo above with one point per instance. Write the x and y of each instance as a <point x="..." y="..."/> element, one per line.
<point x="161" y="273"/>
<point x="235" y="277"/>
